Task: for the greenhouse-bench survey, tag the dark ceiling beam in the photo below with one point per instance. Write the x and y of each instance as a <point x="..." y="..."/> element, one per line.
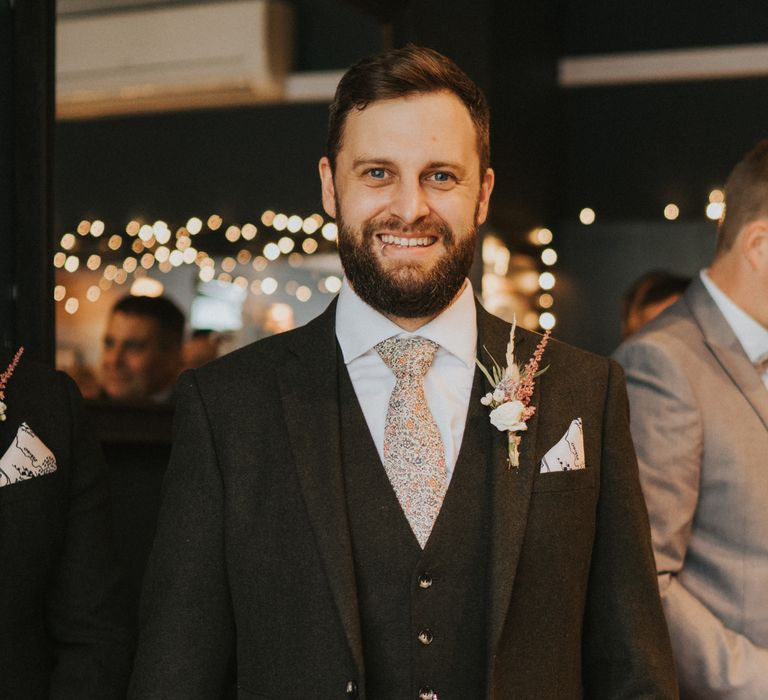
<point x="27" y="32"/>
<point x="384" y="10"/>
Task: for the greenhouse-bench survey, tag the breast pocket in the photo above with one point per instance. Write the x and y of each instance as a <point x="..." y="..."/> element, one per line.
<point x="38" y="487"/>
<point x="572" y="480"/>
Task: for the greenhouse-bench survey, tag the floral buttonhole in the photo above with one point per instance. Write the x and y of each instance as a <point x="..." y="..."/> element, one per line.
<point x="513" y="385"/>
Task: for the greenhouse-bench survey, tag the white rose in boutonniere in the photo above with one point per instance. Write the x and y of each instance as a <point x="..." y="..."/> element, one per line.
<point x="512" y="390"/>
<point x="509" y="416"/>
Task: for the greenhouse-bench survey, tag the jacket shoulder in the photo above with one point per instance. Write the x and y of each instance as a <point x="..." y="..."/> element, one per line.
<point x="565" y="363"/>
<point x="255" y="367"/>
<point x="674" y="332"/>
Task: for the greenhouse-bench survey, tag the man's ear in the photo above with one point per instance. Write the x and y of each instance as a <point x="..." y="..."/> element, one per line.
<point x="753" y="242"/>
<point x="486" y="187"/>
<point x="328" y="189"/>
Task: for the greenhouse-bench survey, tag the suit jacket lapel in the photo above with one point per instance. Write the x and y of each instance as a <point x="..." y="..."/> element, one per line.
<point x="309" y="393"/>
<point x="511" y="487"/>
<point x="726" y="348"/>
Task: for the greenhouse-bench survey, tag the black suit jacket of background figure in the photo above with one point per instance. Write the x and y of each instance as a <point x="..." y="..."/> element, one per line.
<point x="62" y="635"/>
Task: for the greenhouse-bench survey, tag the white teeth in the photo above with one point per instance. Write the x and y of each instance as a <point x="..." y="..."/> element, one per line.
<point x="405" y="242"/>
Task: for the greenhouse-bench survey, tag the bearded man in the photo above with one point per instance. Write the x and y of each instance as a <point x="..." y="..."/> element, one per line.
<point x="342" y="520"/>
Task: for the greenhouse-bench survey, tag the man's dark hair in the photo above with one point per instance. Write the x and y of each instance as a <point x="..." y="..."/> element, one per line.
<point x="654" y="286"/>
<point x="746" y="196"/>
<point x="651" y="287"/>
<point x="412" y="70"/>
<point x="168" y="316"/>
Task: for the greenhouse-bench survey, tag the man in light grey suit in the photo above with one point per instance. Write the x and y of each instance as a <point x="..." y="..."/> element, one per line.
<point x="698" y="388"/>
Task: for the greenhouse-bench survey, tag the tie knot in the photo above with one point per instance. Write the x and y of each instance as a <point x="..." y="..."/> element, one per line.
<point x="407" y="357"/>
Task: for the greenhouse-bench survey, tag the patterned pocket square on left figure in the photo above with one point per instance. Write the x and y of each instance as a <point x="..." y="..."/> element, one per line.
<point x="568" y="453"/>
<point x="26" y="458"/>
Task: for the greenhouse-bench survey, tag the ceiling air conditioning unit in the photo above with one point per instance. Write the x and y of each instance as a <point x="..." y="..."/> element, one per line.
<point x="173" y="57"/>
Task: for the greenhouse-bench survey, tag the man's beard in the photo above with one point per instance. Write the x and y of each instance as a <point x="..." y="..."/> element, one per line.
<point x="407" y="290"/>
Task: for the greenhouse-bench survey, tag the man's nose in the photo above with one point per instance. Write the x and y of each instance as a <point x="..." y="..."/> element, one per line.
<point x="112" y="356"/>
<point x="409" y="201"/>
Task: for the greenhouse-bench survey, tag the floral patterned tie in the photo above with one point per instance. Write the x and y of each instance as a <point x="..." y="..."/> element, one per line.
<point x="414" y="455"/>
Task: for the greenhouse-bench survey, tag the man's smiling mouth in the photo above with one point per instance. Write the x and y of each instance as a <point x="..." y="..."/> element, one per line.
<point x="403" y="242"/>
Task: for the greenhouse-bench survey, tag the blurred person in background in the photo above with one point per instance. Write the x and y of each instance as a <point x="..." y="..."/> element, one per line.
<point x="62" y="631"/>
<point x="648" y="296"/>
<point x="142" y="350"/>
<point x="202" y="347"/>
<point x="698" y="390"/>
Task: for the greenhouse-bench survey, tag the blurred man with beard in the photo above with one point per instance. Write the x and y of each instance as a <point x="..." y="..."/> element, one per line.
<point x="342" y="520"/>
<point x="141" y="352"/>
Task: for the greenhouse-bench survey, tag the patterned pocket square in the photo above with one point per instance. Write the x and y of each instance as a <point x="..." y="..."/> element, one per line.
<point x="26" y="458"/>
<point x="568" y="453"/>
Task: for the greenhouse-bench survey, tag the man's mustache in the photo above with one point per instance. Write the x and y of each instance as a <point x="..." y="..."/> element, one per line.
<point x="424" y="227"/>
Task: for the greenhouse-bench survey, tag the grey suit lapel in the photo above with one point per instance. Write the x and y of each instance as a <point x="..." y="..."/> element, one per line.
<point x="309" y="393"/>
<point x="511" y="487"/>
<point x="726" y="348"/>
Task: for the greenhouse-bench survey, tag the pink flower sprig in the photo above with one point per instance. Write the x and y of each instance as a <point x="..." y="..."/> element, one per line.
<point x="531" y="371"/>
<point x="5" y="377"/>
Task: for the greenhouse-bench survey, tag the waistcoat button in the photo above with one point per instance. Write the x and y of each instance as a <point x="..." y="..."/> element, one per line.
<point x="425" y="581"/>
<point x="425" y="637"/>
<point x="427" y="693"/>
<point x="351" y="689"/>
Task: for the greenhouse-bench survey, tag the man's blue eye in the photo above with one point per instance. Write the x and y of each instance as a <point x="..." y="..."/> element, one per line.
<point x="442" y="177"/>
<point x="377" y="173"/>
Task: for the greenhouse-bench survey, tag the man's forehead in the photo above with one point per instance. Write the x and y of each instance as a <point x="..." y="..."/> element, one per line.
<point x="132" y="325"/>
<point x="438" y="124"/>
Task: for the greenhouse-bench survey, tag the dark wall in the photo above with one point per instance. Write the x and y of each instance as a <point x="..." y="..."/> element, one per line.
<point x="598" y="263"/>
<point x="606" y="26"/>
<point x="525" y="43"/>
<point x="235" y="163"/>
<point x="632" y="150"/>
<point x="332" y="34"/>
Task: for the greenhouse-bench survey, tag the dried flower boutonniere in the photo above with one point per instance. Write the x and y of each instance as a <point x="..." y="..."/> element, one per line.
<point x="4" y="377"/>
<point x="512" y="390"/>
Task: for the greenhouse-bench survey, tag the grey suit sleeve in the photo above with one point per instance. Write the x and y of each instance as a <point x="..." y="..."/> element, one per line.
<point x="186" y="642"/>
<point x="712" y="660"/>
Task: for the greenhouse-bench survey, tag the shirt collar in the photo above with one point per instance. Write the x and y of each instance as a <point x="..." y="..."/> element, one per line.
<point x="360" y="327"/>
<point x="752" y="335"/>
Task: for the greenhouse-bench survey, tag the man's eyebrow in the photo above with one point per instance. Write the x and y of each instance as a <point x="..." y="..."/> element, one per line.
<point x="385" y="162"/>
<point x="446" y="164"/>
<point x="368" y="160"/>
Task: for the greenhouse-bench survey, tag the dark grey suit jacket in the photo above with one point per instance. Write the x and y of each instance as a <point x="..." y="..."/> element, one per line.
<point x="252" y="576"/>
<point x="62" y="635"/>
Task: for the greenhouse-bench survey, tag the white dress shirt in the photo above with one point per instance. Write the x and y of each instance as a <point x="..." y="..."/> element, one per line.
<point x="752" y="335"/>
<point x="448" y="382"/>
